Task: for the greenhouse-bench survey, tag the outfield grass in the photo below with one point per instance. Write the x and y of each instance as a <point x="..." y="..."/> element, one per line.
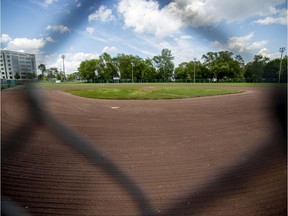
<point x="148" y="93"/>
<point x="131" y="85"/>
<point x="155" y="91"/>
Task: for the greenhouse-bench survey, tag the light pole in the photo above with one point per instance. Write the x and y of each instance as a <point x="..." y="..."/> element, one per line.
<point x="132" y="71"/>
<point x="282" y="50"/>
<point x="63" y="57"/>
<point x="194" y="68"/>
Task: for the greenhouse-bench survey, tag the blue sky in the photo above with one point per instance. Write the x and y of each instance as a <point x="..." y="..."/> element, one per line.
<point x="84" y="29"/>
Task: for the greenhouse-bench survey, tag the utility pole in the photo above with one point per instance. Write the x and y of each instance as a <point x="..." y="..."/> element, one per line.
<point x="282" y="50"/>
<point x="194" y="68"/>
<point x="132" y="71"/>
<point x="63" y="57"/>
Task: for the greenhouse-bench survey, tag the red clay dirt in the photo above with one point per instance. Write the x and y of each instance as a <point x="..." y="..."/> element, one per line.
<point x="190" y="156"/>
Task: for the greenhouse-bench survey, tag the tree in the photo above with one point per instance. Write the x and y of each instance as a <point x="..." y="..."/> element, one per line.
<point x="148" y="72"/>
<point x="271" y="69"/>
<point x="164" y="64"/>
<point x="42" y="68"/>
<point x="223" y="65"/>
<point x="123" y="63"/>
<point x="254" y="70"/>
<point x="106" y="67"/>
<point x="87" y="69"/>
<point x="181" y="71"/>
<point x="51" y="72"/>
<point x="30" y="75"/>
<point x="17" y="76"/>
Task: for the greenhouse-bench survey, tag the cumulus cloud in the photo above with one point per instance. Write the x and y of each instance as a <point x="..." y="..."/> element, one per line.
<point x="280" y="18"/>
<point x="90" y="30"/>
<point x="108" y="49"/>
<point x="265" y="52"/>
<point x="44" y="3"/>
<point x="50" y="39"/>
<point x="198" y="13"/>
<point x="103" y="14"/>
<point x="243" y="43"/>
<point x="58" y="28"/>
<point x="5" y="38"/>
<point x="145" y="16"/>
<point x="26" y="45"/>
<point x="72" y="61"/>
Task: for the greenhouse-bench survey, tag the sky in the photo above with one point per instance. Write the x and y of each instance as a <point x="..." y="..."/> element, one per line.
<point x="84" y="29"/>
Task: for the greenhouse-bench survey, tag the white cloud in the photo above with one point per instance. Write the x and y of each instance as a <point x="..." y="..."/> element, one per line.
<point x="5" y="38"/>
<point x="198" y="13"/>
<point x="280" y="18"/>
<point x="146" y="17"/>
<point x="108" y="49"/>
<point x="72" y="61"/>
<point x="103" y="14"/>
<point x="50" y="39"/>
<point x="78" y="4"/>
<point x="58" y="28"/>
<point x="90" y="30"/>
<point x="265" y="52"/>
<point x="44" y="3"/>
<point x="26" y="45"/>
<point x="244" y="44"/>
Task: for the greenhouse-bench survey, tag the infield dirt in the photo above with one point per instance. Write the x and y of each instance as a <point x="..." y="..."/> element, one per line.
<point x="190" y="156"/>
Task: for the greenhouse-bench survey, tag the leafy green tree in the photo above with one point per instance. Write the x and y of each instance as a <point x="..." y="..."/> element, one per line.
<point x="223" y="65"/>
<point x="148" y="72"/>
<point x="87" y="69"/>
<point x="106" y="68"/>
<point x="42" y="68"/>
<point x="17" y="76"/>
<point x="181" y="71"/>
<point x="254" y="70"/>
<point x="186" y="71"/>
<point x="30" y="75"/>
<point x="51" y="72"/>
<point x="272" y="68"/>
<point x="124" y="66"/>
<point x="164" y="64"/>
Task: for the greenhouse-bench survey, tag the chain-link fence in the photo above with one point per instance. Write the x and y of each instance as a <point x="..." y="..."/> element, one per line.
<point x="229" y="180"/>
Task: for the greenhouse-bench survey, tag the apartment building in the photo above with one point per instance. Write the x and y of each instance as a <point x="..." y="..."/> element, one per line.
<point x="14" y="63"/>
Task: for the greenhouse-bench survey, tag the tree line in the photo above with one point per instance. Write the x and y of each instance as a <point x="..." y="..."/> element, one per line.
<point x="216" y="66"/>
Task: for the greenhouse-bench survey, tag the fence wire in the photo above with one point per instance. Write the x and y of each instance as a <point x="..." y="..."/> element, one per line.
<point x="38" y="116"/>
<point x="209" y="192"/>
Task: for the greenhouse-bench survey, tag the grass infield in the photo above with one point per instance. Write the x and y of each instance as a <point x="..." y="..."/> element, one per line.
<point x="148" y="92"/>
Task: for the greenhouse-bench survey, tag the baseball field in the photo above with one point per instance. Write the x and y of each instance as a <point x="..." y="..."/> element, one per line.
<point x="205" y="149"/>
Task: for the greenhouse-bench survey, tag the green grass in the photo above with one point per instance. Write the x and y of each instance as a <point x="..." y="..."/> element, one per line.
<point x="134" y="91"/>
<point x="131" y="85"/>
<point x="148" y="94"/>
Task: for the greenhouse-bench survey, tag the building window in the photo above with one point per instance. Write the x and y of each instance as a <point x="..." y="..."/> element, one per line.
<point x="11" y="77"/>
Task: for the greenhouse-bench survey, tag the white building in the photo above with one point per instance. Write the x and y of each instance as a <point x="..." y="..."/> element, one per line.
<point x="12" y="63"/>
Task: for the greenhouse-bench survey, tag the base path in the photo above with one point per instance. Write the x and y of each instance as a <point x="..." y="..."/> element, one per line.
<point x="218" y="155"/>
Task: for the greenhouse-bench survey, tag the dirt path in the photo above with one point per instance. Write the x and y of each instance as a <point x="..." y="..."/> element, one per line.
<point x="180" y="152"/>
